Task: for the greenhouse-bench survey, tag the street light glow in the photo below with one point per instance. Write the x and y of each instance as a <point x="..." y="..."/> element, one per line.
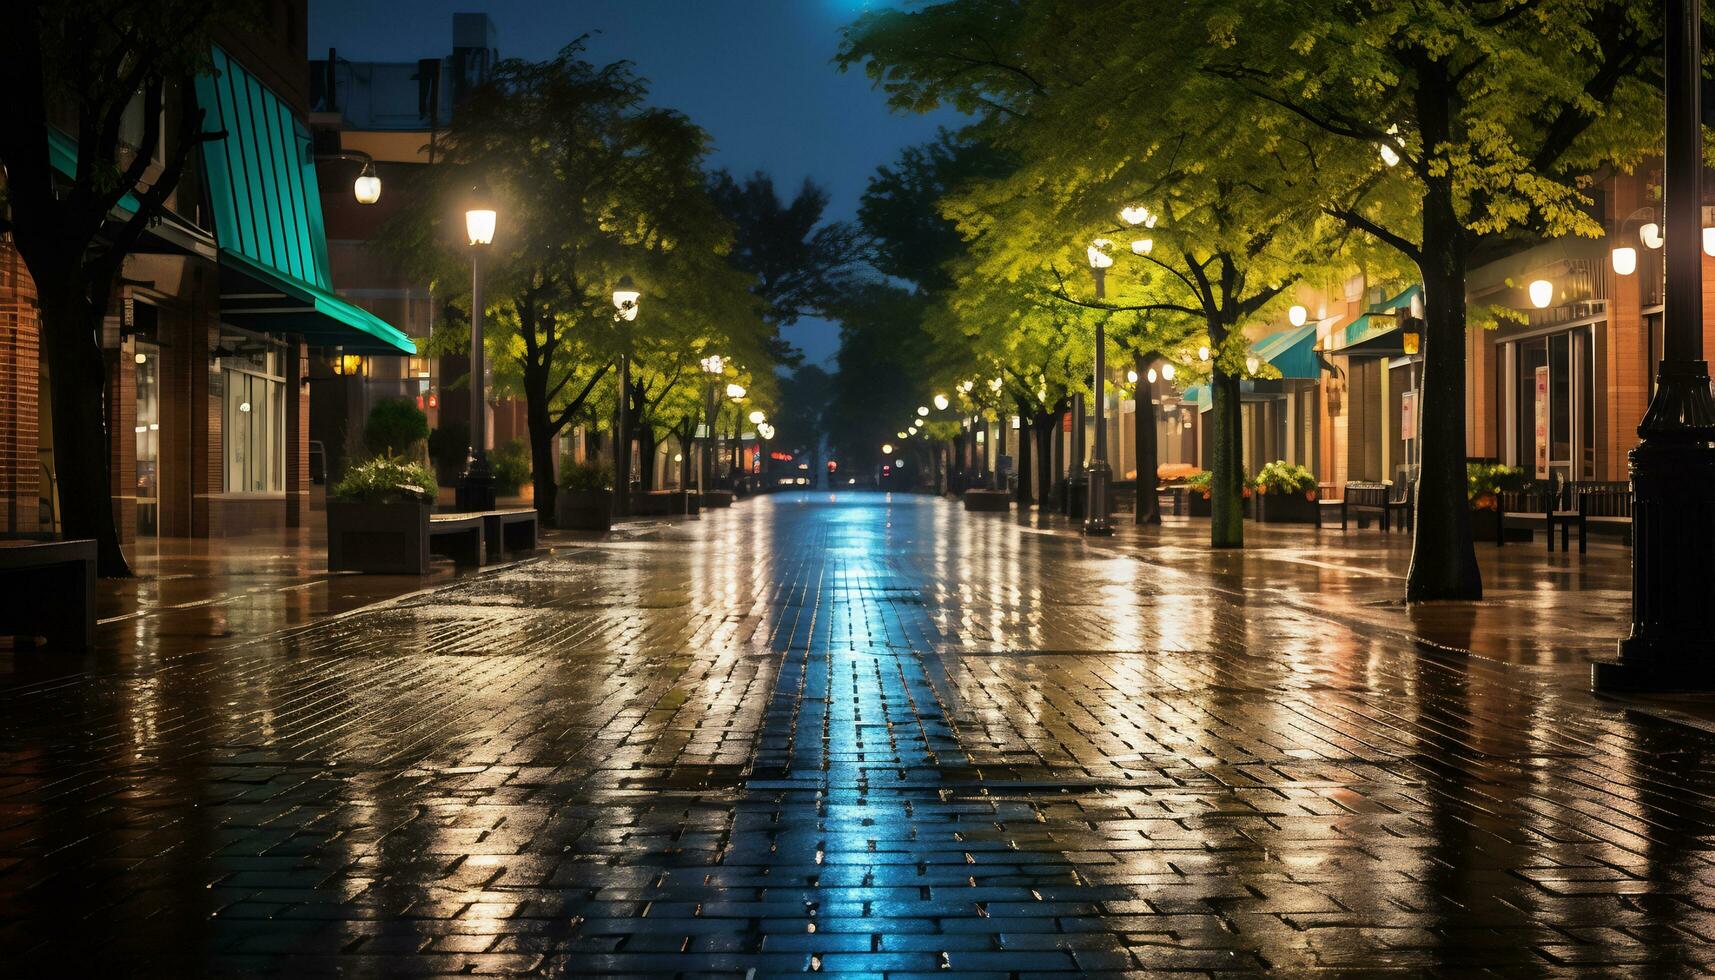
<point x="1541" y="293"/>
<point x="367" y="187"/>
<point x="1098" y="255"/>
<point x="625" y="298"/>
<point x="1143" y="246"/>
<point x="1152" y="375"/>
<point x="758" y="417"/>
<point x="713" y="364"/>
<point x="1297" y="315"/>
<point x="1650" y="234"/>
<point x="1202" y="353"/>
<point x="1167" y="371"/>
<point x="1625" y="258"/>
<point x="887" y="449"/>
<point x="735" y="391"/>
<point x="923" y="411"/>
<point x="940" y="403"/>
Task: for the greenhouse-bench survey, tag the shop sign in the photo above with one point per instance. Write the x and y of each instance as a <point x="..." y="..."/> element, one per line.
<point x="1408" y="415"/>
<point x="1542" y="422"/>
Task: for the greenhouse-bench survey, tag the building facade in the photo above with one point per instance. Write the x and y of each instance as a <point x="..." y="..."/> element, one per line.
<point x="224" y="305"/>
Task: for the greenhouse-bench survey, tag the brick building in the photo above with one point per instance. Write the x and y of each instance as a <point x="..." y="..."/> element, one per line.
<point x="223" y="307"/>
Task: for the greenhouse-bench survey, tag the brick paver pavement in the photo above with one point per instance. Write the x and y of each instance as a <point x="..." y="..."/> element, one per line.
<point x="858" y="735"/>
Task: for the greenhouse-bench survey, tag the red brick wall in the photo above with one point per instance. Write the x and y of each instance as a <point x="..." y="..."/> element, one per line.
<point x="20" y="352"/>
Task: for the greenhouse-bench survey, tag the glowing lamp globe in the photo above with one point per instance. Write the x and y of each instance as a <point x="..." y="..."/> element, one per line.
<point x="1297" y="316"/>
<point x="367" y="187"/>
<point x="1167" y="371"/>
<point x="757" y="418"/>
<point x="1541" y="293"/>
<point x="941" y="403"/>
<point x="1625" y="258"/>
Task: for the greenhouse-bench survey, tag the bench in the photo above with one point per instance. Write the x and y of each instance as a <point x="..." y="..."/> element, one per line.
<point x="507" y="532"/>
<point x="987" y="501"/>
<point x="1375" y="498"/>
<point x="460" y="537"/>
<point x="49" y="590"/>
<point x="1582" y="503"/>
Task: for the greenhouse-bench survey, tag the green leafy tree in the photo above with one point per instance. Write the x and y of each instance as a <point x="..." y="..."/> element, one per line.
<point x="591" y="184"/>
<point x="1492" y="113"/>
<point x="1235" y="227"/>
<point x="84" y="66"/>
<point x="395" y="427"/>
<point x="801" y="263"/>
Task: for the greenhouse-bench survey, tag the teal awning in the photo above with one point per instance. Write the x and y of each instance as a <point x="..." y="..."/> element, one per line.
<point x="62" y="156"/>
<point x="1371" y="326"/>
<point x="268" y="219"/>
<point x="1292" y="352"/>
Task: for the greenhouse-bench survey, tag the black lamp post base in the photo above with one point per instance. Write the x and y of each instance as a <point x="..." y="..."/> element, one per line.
<point x="1672" y="641"/>
<point x="1683" y="669"/>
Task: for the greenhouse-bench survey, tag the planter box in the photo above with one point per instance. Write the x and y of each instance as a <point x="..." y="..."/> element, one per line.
<point x="583" y="510"/>
<point x="1486" y="526"/>
<point x="1284" y="508"/>
<point x="1198" y="505"/>
<point x="717" y="498"/>
<point x="988" y="501"/>
<point x="387" y="539"/>
<point x="664" y="503"/>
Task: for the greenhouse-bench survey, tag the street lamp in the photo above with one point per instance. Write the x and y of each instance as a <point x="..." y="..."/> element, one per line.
<point x="367" y="187"/>
<point x="1096" y="520"/>
<point x="476" y="486"/>
<point x="626" y="298"/>
<point x="1672" y="640"/>
<point x="713" y="366"/>
<point x="923" y="411"/>
<point x="941" y="403"/>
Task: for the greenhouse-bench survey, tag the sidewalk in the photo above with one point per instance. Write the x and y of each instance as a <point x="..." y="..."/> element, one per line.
<point x="1548" y="613"/>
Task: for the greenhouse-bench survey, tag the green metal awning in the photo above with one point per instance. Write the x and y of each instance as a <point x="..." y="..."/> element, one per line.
<point x="1372" y="325"/>
<point x="268" y="220"/>
<point x="258" y="297"/>
<point x="1292" y="352"/>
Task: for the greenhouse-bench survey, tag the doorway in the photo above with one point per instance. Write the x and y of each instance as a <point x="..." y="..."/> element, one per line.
<point x="147" y="362"/>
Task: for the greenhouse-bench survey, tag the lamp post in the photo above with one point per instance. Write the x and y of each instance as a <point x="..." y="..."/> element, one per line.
<point x="759" y="419"/>
<point x="713" y="366"/>
<point x="625" y="300"/>
<point x="735" y="393"/>
<point x="476" y="486"/>
<point x="1672" y="641"/>
<point x="1096" y="522"/>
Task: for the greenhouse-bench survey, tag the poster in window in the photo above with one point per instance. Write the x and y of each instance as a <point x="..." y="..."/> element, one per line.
<point x="1542" y="422"/>
<point x="1408" y="415"/>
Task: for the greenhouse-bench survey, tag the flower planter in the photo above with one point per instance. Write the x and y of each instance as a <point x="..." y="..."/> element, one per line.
<point x="379" y="538"/>
<point x="583" y="510"/>
<point x="1486" y="525"/>
<point x="1284" y="508"/>
<point x="1198" y="504"/>
<point x="988" y="501"/>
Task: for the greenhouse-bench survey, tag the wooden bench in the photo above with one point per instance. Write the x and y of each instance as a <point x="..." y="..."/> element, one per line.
<point x="1580" y="504"/>
<point x="507" y="532"/>
<point x="47" y="590"/>
<point x="1375" y="498"/>
<point x="460" y="537"/>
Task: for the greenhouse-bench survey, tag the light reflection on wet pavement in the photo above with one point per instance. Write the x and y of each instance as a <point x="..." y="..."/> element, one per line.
<point x="863" y="734"/>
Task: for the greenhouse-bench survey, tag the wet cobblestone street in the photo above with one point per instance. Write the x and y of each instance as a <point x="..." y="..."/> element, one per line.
<point x="858" y="734"/>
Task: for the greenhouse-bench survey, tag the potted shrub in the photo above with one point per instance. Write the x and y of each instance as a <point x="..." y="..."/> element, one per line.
<point x="1197" y="486"/>
<point x="585" y="500"/>
<point x="1286" y="494"/>
<point x="395" y="428"/>
<point x="378" y="517"/>
<point x="1484" y="484"/>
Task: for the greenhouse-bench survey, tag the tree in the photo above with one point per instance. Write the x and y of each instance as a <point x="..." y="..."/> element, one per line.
<point x="1091" y="137"/>
<point x="1494" y="111"/>
<point x="84" y="65"/>
<point x="805" y="397"/>
<point x="801" y="263"/>
<point x="591" y="184"/>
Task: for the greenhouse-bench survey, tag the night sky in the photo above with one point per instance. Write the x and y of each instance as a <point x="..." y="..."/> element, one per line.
<point x="754" y="73"/>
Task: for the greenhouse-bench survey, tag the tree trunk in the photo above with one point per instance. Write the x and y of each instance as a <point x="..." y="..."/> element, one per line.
<point x="1443" y="560"/>
<point x="1226" y="494"/>
<point x="1022" y="472"/>
<point x="78" y="377"/>
<point x="541" y="432"/>
<point x="1148" y="509"/>
<point x="1047" y="429"/>
<point x="646" y="446"/>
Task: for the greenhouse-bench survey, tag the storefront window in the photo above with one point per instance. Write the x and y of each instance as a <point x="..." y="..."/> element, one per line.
<point x="1555" y="420"/>
<point x="255" y="422"/>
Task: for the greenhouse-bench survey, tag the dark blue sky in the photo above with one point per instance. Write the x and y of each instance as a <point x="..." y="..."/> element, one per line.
<point x="754" y="73"/>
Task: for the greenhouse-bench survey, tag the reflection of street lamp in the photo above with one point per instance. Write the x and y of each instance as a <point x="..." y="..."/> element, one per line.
<point x="1096" y="520"/>
<point x="1673" y="468"/>
<point x="476" y="487"/>
<point x="626" y="298"/>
